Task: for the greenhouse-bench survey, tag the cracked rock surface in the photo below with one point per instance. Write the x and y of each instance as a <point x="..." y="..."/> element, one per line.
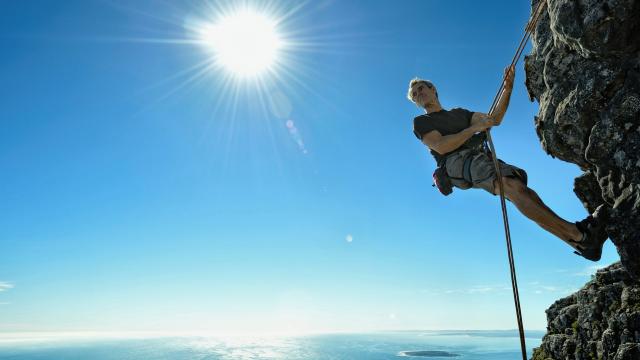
<point x="584" y="71"/>
<point x="601" y="321"/>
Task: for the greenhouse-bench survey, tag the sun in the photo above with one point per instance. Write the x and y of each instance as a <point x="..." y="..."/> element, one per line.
<point x="245" y="43"/>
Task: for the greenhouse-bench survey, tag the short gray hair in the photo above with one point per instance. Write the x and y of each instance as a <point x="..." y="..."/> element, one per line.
<point x="416" y="81"/>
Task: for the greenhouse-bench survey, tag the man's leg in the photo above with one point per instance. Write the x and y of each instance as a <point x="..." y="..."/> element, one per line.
<point x="531" y="206"/>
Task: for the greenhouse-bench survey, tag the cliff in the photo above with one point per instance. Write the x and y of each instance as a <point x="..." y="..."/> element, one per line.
<point x="584" y="71"/>
<point x="601" y="321"/>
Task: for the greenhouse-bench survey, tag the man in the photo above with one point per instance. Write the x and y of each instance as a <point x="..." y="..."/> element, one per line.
<point x="454" y="138"/>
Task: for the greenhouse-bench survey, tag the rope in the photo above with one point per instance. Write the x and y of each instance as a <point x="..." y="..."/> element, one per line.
<point x="514" y="283"/>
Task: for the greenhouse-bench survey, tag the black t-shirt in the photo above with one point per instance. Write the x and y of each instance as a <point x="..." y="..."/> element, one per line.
<point x="446" y="122"/>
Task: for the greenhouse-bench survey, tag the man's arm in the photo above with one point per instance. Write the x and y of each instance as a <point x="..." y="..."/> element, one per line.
<point x="445" y="144"/>
<point x="503" y="103"/>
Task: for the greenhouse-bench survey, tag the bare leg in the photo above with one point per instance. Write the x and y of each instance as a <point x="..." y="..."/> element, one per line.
<point x="531" y="206"/>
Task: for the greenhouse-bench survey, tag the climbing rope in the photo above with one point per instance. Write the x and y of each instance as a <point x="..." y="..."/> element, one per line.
<point x="514" y="284"/>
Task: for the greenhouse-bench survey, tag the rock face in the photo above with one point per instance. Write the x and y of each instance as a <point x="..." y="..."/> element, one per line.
<point x="584" y="70"/>
<point x="601" y="321"/>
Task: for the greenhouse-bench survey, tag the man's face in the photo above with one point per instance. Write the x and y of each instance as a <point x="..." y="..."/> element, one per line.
<point x="423" y="93"/>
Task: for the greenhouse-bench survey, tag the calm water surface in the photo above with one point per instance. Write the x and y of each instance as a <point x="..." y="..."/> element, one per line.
<point x="464" y="345"/>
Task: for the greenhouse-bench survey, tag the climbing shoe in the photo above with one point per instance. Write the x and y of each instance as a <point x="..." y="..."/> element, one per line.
<point x="593" y="236"/>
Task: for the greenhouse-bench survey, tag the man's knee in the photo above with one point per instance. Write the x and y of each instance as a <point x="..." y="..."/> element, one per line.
<point x="513" y="187"/>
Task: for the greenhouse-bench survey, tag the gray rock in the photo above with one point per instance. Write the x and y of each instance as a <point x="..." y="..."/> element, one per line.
<point x="600" y="321"/>
<point x="630" y="351"/>
<point x="584" y="70"/>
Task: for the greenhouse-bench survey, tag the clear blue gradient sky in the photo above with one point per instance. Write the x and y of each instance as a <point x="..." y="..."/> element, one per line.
<point x="139" y="194"/>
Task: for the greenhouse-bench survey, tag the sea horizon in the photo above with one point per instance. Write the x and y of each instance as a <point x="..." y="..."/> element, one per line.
<point x="389" y="344"/>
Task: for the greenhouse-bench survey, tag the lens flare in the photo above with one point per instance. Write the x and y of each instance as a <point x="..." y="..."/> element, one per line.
<point x="245" y="43"/>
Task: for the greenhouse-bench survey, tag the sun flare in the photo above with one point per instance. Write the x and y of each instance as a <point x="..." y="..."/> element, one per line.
<point x="245" y="43"/>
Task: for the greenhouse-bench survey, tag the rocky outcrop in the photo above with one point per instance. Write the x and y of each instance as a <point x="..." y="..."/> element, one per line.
<point x="584" y="70"/>
<point x="601" y="321"/>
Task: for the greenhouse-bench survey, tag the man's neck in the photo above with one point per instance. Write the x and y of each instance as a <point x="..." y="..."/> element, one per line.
<point x="433" y="107"/>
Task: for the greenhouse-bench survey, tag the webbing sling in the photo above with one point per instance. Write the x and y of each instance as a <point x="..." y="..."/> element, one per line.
<point x="514" y="284"/>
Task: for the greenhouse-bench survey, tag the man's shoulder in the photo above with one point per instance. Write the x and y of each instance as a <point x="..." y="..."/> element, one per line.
<point x="439" y="114"/>
<point x="422" y="120"/>
<point x="443" y="112"/>
<point x="460" y="110"/>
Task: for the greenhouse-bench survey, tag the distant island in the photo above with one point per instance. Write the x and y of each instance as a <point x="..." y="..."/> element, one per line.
<point x="427" y="353"/>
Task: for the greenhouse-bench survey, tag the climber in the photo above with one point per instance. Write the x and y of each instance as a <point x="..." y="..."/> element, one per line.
<point x="455" y="139"/>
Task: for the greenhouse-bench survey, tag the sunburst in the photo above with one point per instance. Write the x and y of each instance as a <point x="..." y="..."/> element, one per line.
<point x="245" y="42"/>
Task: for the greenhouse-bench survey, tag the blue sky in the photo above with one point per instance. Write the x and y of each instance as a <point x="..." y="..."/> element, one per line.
<point x="139" y="194"/>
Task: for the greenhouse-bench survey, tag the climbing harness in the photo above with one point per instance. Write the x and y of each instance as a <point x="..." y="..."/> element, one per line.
<point x="442" y="180"/>
<point x="537" y="12"/>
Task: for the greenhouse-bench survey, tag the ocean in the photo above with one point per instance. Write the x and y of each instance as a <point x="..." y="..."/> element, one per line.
<point x="467" y="345"/>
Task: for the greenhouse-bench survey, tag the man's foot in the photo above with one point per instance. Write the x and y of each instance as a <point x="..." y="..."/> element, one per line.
<point x="593" y="236"/>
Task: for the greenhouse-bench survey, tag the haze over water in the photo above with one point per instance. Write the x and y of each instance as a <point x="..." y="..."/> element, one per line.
<point x="468" y="345"/>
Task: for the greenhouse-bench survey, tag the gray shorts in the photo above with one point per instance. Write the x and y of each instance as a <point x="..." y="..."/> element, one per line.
<point x="483" y="172"/>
